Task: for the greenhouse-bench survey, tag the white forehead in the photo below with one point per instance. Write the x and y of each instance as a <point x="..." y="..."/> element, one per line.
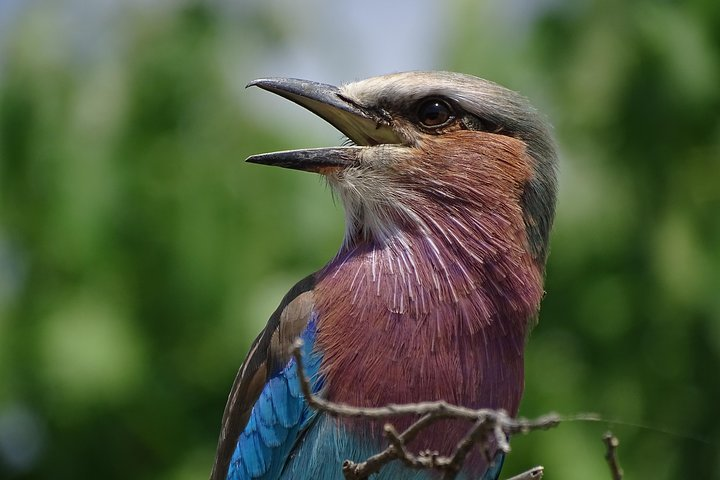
<point x="409" y="86"/>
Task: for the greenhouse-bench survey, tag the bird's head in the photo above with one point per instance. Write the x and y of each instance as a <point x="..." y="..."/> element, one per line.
<point x="429" y="150"/>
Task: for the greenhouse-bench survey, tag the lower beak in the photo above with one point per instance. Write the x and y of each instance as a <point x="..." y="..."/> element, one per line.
<point x="319" y="160"/>
<point x="361" y="125"/>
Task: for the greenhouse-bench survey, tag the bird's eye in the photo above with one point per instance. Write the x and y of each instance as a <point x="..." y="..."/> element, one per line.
<point x="434" y="113"/>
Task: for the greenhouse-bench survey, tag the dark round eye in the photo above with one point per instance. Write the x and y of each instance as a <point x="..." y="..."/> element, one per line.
<point x="434" y="113"/>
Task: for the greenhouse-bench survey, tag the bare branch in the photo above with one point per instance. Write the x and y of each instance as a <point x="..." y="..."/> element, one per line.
<point x="490" y="430"/>
<point x="612" y="443"/>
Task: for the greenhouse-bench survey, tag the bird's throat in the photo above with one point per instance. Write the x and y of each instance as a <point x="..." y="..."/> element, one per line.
<point x="436" y="312"/>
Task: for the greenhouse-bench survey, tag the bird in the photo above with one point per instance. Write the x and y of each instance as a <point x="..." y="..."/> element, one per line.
<point x="448" y="184"/>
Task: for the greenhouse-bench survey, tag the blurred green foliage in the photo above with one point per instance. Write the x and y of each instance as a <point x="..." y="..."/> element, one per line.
<point x="139" y="256"/>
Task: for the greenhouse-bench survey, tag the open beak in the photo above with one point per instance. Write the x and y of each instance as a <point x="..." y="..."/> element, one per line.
<point x="363" y="126"/>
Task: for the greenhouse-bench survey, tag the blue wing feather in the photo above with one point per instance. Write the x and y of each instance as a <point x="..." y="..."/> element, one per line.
<point x="286" y="407"/>
<point x="267" y="422"/>
<point x="284" y="438"/>
<point x="253" y="464"/>
<point x="277" y="419"/>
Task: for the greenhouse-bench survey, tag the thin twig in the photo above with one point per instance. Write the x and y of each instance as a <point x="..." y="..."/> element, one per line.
<point x="612" y="443"/>
<point x="490" y="429"/>
<point x="479" y="431"/>
<point x="438" y="410"/>
<point x="374" y="463"/>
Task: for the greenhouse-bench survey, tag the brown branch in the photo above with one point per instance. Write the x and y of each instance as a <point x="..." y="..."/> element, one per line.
<point x="490" y="429"/>
<point x="612" y="443"/>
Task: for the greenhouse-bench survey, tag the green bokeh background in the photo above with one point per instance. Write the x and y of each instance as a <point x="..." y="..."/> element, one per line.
<point x="139" y="256"/>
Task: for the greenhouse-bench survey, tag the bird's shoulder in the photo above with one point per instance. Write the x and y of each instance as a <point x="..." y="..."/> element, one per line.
<point x="268" y="356"/>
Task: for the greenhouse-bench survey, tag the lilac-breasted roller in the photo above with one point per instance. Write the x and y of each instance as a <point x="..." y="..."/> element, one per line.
<point x="448" y="183"/>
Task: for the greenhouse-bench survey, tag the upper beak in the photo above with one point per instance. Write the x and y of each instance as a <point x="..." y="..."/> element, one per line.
<point x="362" y="125"/>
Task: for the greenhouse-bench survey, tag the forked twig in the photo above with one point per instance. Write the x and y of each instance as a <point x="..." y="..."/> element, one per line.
<point x="612" y="443"/>
<point x="490" y="430"/>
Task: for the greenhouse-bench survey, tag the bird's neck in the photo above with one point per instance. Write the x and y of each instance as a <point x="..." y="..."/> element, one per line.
<point x="411" y="275"/>
<point x="437" y="307"/>
<point x="456" y="295"/>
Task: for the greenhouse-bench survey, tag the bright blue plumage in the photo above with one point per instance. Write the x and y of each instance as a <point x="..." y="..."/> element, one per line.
<point x="326" y="444"/>
<point x="278" y="418"/>
<point x="286" y="439"/>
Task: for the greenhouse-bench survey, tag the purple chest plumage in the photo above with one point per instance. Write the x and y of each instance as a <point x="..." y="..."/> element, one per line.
<point x="428" y="316"/>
